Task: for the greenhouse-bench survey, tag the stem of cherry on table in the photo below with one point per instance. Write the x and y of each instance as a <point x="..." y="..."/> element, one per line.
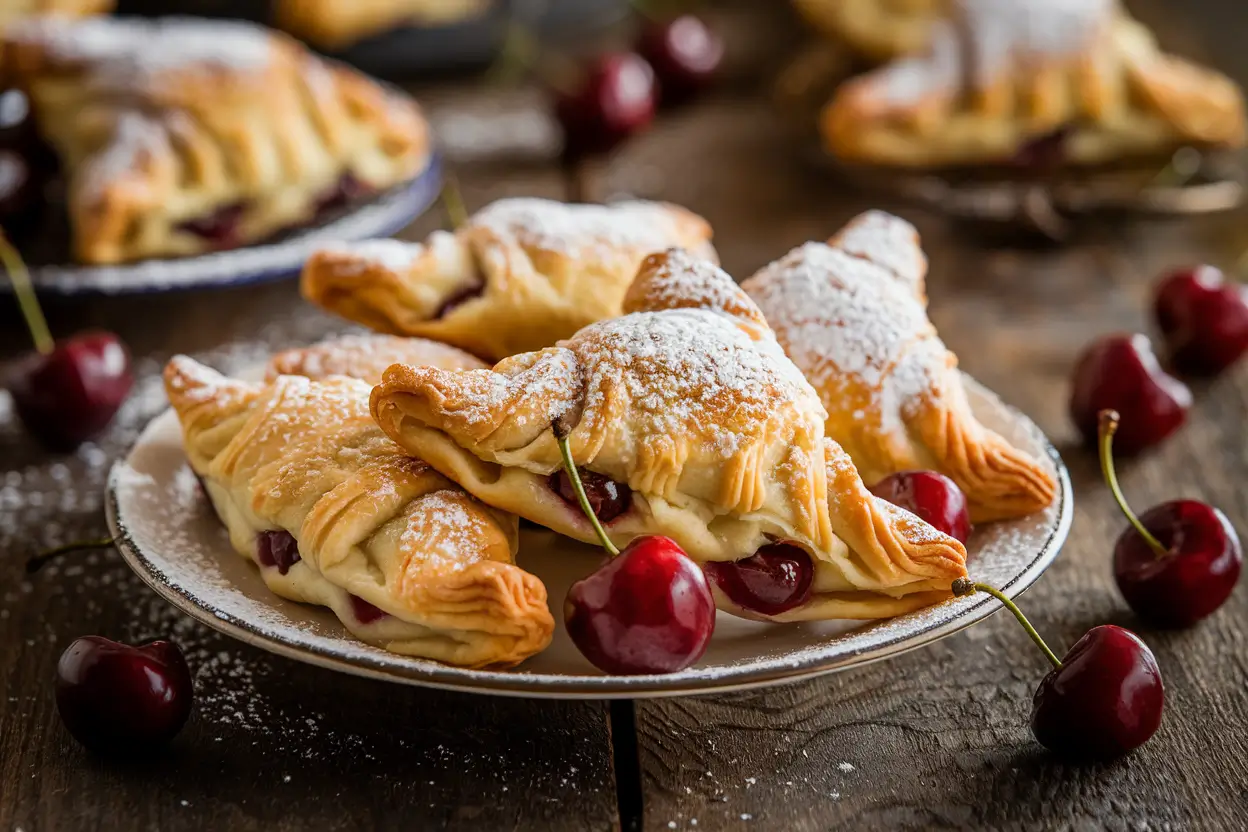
<point x="964" y="586"/>
<point x="37" y="562"/>
<point x="19" y="277"/>
<point x="1108" y="425"/>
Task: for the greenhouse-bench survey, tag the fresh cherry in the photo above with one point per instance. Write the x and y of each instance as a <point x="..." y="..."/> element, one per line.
<point x="277" y="549"/>
<point x="119" y="699"/>
<point x="1101" y="700"/>
<point x="1120" y="372"/>
<point x="71" y="392"/>
<point x="773" y="580"/>
<point x="685" y="54"/>
<point x="1178" y="562"/>
<point x="614" y="100"/>
<point x="647" y="610"/>
<point x="1203" y="318"/>
<point x="930" y="496"/>
<point x="608" y="498"/>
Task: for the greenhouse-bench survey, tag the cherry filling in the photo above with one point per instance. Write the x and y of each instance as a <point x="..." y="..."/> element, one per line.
<point x="222" y="228"/>
<point x="608" y="498"/>
<point x="277" y="549"/>
<point x="458" y="299"/>
<point x="773" y="580"/>
<point x="1044" y="152"/>
<point x="365" y="612"/>
<point x="346" y="190"/>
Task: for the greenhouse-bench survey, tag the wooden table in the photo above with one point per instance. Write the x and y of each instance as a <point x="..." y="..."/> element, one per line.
<point x="934" y="738"/>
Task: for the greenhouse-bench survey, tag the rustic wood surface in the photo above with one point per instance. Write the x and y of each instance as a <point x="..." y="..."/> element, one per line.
<point x="933" y="739"/>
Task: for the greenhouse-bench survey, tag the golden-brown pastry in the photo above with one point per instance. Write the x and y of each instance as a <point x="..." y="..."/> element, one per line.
<point x="687" y="420"/>
<point x="518" y="276"/>
<point x="335" y="514"/>
<point x="14" y="10"/>
<point x="333" y="24"/>
<point x="1002" y="78"/>
<point x="367" y="356"/>
<point x="180" y="136"/>
<point x="852" y="317"/>
<point x="877" y="29"/>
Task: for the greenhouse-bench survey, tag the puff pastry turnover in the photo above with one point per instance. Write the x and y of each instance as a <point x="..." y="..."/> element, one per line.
<point x="333" y="24"/>
<point x="878" y="29"/>
<point x="181" y="136"/>
<point x="852" y="317"/>
<point x="367" y="356"/>
<point x="687" y="420"/>
<point x="1001" y="75"/>
<point x="335" y="514"/>
<point x="518" y="276"/>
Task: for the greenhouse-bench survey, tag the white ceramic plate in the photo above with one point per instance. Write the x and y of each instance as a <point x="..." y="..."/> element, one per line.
<point x="168" y="533"/>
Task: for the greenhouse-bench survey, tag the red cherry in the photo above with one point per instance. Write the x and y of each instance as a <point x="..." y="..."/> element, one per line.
<point x="685" y="54"/>
<point x="775" y="579"/>
<point x="1120" y="372"/>
<point x="1106" y="698"/>
<point x="1203" y="318"/>
<point x="647" y="610"/>
<point x="608" y="498"/>
<point x="1103" y="699"/>
<point x="930" y="496"/>
<point x="613" y="101"/>
<point x="119" y="699"/>
<point x="71" y="393"/>
<point x="1177" y="563"/>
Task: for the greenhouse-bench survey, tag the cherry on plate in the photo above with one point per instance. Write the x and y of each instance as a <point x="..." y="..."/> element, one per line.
<point x="1101" y="700"/>
<point x="1203" y="318"/>
<point x="1179" y="561"/>
<point x="120" y="699"/>
<point x="932" y="497"/>
<point x="614" y="99"/>
<point x="1121" y="372"/>
<point x="685" y="54"/>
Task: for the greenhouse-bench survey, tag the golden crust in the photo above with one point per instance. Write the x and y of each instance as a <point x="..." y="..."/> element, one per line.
<point x="688" y="400"/>
<point x="304" y="457"/>
<point x="518" y="276"/>
<point x="334" y="24"/>
<point x="366" y="357"/>
<point x="998" y="75"/>
<point x="15" y="10"/>
<point x="163" y="124"/>
<point x="877" y="29"/>
<point x="853" y="320"/>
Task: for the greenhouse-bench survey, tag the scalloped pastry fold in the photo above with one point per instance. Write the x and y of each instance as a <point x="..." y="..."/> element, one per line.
<point x="1001" y="75"/>
<point x="405" y="558"/>
<point x="519" y="275"/>
<point x="687" y="403"/>
<point x="367" y="356"/>
<point x="851" y="315"/>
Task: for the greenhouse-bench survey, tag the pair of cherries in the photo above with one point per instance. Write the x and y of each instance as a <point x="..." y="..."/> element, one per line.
<point x="1203" y="319"/>
<point x="618" y="93"/>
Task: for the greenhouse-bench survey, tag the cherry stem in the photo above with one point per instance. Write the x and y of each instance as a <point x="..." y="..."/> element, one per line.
<point x="964" y="586"/>
<point x="20" y="278"/>
<point x="453" y="202"/>
<point x="565" y="451"/>
<point x="1108" y="425"/>
<point x="37" y="562"/>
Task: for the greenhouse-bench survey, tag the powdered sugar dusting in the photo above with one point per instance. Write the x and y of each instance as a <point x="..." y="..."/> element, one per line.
<point x="450" y="540"/>
<point x="367" y="355"/>
<point x="887" y="241"/>
<point x="386" y="253"/>
<point x="678" y="279"/>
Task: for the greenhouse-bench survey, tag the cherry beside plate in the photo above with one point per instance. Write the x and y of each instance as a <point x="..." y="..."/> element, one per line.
<point x="167" y="532"/>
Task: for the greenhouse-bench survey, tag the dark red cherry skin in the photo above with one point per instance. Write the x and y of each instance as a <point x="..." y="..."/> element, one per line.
<point x="1121" y="372"/>
<point x="773" y="580"/>
<point x="608" y="498"/>
<point x="647" y="610"/>
<point x="932" y="497"/>
<point x="614" y="99"/>
<point x="1203" y="318"/>
<point x="685" y="54"/>
<point x="71" y="394"/>
<point x="277" y="550"/>
<point x="1194" y="578"/>
<point x="1105" y="700"/>
<point x="119" y="700"/>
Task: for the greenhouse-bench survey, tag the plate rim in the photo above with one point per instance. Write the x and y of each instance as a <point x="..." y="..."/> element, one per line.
<point x="519" y="684"/>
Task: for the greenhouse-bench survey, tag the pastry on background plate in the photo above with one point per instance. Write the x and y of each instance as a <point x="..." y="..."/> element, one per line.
<point x="334" y="24"/>
<point x="181" y="136"/>
<point x="518" y="276"/>
<point x="14" y="10"/>
<point x="367" y="356"/>
<point x="335" y="514"/>
<point x="852" y="316"/>
<point x="877" y="29"/>
<point x="687" y="420"/>
<point x="1002" y="81"/>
